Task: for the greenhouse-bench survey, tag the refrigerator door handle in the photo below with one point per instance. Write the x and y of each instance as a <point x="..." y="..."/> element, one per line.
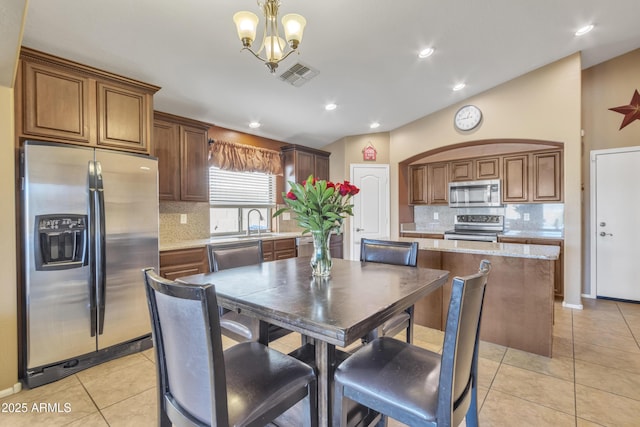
<point x="92" y="250"/>
<point x="101" y="245"/>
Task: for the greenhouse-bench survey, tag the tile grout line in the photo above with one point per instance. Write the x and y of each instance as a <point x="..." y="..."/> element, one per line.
<point x="92" y="401"/>
<point x="628" y="326"/>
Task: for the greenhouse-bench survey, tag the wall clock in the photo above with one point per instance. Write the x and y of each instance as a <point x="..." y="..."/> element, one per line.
<point x="467" y="117"/>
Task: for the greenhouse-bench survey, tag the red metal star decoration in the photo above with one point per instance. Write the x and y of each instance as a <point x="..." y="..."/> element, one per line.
<point x="631" y="112"/>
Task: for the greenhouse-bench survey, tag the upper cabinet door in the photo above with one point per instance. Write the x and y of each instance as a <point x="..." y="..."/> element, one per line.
<point x="56" y="104"/>
<point x="547" y="177"/>
<point x="488" y="168"/>
<point x="166" y="147"/>
<point x="194" y="166"/>
<point x="462" y="170"/>
<point x="418" y="185"/>
<point x="438" y="183"/>
<point x="515" y="184"/>
<point x="123" y="117"/>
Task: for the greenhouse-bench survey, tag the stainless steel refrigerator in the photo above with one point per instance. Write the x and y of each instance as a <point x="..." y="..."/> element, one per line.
<point x="89" y="221"/>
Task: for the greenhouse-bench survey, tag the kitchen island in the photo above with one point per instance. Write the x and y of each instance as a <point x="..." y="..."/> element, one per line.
<point x="518" y="306"/>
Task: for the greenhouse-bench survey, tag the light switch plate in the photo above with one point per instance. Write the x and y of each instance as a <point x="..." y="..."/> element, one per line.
<point x="526" y="216"/>
<point x="435" y="215"/>
<point x="183" y="218"/>
<point x="286" y="216"/>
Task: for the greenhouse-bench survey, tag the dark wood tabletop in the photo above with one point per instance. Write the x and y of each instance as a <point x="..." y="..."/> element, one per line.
<point x="339" y="309"/>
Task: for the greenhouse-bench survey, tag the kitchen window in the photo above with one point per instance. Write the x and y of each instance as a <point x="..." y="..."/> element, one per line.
<point x="233" y="194"/>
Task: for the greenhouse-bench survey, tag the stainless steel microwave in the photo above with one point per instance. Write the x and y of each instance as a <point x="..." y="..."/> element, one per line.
<point x="475" y="194"/>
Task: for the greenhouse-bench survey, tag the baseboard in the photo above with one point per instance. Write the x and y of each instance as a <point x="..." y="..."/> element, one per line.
<point x="11" y="390"/>
<point x="574" y="306"/>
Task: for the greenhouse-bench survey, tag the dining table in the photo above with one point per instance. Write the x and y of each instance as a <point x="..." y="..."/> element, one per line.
<point x="329" y="312"/>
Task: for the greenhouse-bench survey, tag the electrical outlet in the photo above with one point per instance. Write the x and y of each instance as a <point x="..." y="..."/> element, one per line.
<point x="286" y="216"/>
<point x="526" y="217"/>
<point x="435" y="215"/>
<point x="183" y="218"/>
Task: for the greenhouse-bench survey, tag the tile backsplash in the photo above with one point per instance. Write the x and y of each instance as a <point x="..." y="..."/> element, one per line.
<point x="197" y="226"/>
<point x="523" y="217"/>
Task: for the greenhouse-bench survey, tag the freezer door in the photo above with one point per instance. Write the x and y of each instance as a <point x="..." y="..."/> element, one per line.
<point x="56" y="294"/>
<point x="130" y="243"/>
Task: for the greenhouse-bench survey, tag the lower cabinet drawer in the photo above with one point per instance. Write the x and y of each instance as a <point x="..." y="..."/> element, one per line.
<point x="183" y="262"/>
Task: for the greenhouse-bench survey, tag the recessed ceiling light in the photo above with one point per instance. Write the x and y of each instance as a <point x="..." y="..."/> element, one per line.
<point x="254" y="125"/>
<point x="584" y="30"/>
<point x="459" y="86"/>
<point x="330" y="107"/>
<point x="374" y="125"/>
<point x="425" y="53"/>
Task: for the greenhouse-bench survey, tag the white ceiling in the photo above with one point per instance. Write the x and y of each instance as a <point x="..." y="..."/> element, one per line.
<point x="365" y="51"/>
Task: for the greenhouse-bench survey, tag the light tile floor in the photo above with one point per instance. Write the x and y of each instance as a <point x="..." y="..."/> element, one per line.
<point x="593" y="379"/>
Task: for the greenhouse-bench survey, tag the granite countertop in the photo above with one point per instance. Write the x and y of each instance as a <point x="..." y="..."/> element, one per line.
<point x="516" y="250"/>
<point x="187" y="244"/>
<point x="412" y="228"/>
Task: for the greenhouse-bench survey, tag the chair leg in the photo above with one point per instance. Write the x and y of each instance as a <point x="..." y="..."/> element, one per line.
<point x="310" y="406"/>
<point x="410" y="327"/>
<point x="339" y="416"/>
<point x="471" y="419"/>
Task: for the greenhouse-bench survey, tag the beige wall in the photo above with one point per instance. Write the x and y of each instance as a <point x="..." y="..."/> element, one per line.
<point x="542" y="105"/>
<point x="8" y="284"/>
<point x="607" y="85"/>
<point x="12" y="22"/>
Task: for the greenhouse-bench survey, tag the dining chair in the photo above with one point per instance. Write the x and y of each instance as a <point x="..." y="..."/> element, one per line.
<point x="397" y="253"/>
<point x="199" y="384"/>
<point x="416" y="386"/>
<point x="222" y="256"/>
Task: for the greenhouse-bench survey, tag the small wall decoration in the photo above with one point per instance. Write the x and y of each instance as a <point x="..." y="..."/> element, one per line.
<point x="369" y="152"/>
<point x="631" y="112"/>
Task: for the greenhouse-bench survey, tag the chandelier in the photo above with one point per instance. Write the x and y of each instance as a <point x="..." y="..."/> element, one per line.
<point x="273" y="47"/>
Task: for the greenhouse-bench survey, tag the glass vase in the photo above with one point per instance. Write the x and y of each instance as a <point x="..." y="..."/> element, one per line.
<point x="321" y="257"/>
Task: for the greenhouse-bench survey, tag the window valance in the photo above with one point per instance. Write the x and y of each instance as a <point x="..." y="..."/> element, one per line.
<point x="244" y="158"/>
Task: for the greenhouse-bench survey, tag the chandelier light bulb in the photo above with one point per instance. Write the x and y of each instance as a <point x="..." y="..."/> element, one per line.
<point x="246" y="25"/>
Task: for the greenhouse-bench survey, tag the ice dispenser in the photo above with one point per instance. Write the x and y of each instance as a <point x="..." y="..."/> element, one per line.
<point x="60" y="241"/>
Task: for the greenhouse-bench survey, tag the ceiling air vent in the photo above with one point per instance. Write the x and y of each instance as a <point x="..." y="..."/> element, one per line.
<point x="298" y="75"/>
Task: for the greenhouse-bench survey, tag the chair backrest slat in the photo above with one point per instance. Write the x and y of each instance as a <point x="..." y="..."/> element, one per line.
<point x="389" y="252"/>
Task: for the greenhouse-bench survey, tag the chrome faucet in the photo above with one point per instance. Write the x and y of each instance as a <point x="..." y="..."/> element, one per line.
<point x="249" y="221"/>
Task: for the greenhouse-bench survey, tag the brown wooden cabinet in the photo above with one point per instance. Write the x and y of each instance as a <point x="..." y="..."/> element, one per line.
<point x="273" y="250"/>
<point x="438" y="183"/>
<point x="423" y="235"/>
<point x="336" y="248"/>
<point x="462" y="170"/>
<point x="487" y="168"/>
<point x="300" y="162"/>
<point x="515" y="183"/>
<point x="546" y="176"/>
<point x="559" y="264"/>
<point x="180" y="144"/>
<point x="418" y="185"/>
<point x="63" y="101"/>
<point x="183" y="262"/>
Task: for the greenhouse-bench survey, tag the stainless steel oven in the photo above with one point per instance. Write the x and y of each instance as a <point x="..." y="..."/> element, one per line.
<point x="482" y="228"/>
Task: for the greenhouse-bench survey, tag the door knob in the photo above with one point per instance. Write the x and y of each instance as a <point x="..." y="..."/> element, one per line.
<point x="602" y="233"/>
<point x="602" y="224"/>
<point x="359" y="229"/>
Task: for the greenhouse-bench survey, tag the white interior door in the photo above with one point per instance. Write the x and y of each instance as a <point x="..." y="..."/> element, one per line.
<point x="615" y="225"/>
<point x="371" y="206"/>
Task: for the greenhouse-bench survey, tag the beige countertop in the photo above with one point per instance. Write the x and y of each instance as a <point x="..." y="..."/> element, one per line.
<point x="523" y="234"/>
<point x="187" y="244"/>
<point x="516" y="250"/>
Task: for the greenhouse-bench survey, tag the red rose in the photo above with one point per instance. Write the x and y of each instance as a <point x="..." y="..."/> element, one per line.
<point x="342" y="189"/>
<point x="330" y="184"/>
<point x="353" y="190"/>
<point x="291" y="196"/>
